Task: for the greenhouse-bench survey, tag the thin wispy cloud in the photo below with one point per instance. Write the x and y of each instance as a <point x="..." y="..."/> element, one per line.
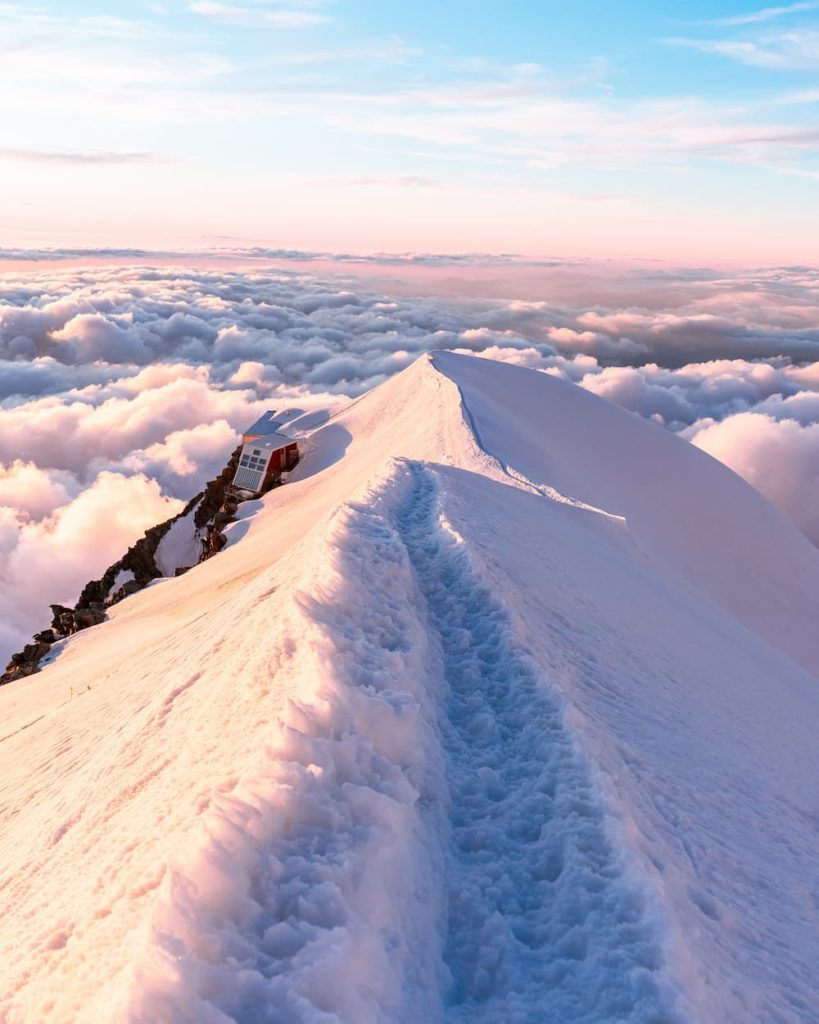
<point x="391" y="51"/>
<point x="400" y="181"/>
<point x="796" y="50"/>
<point x="767" y="14"/>
<point x="251" y="17"/>
<point x="799" y="98"/>
<point x="46" y="157"/>
<point x="43" y="22"/>
<point x="275" y="108"/>
<point x="544" y="130"/>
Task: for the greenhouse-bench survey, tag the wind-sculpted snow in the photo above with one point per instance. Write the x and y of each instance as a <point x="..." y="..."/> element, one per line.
<point x="428" y="742"/>
<point x="423" y="841"/>
<point x="314" y="893"/>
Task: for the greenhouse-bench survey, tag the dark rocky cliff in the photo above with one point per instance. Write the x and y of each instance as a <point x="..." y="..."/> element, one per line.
<point x="213" y="508"/>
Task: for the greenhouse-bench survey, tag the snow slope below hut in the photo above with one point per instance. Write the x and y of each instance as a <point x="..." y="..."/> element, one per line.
<point x="503" y="709"/>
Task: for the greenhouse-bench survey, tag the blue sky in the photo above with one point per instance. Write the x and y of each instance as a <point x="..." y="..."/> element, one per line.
<point x="626" y="130"/>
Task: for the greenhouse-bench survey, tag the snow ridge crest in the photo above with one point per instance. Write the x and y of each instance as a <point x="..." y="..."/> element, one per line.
<point x="349" y="878"/>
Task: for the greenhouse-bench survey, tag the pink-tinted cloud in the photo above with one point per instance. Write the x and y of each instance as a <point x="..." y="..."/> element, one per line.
<point x="48" y="552"/>
<point x="131" y="384"/>
<point x="779" y="457"/>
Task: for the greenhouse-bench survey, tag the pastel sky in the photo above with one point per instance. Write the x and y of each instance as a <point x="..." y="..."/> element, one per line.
<point x="632" y="129"/>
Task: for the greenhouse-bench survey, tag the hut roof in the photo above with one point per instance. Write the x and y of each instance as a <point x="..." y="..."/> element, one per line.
<point x="265" y="424"/>
<point x="271" y="443"/>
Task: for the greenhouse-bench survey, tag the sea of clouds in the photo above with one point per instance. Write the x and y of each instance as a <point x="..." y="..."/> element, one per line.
<point x="123" y="389"/>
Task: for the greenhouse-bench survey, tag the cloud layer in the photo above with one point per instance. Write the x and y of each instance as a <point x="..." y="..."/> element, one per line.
<point x="123" y="389"/>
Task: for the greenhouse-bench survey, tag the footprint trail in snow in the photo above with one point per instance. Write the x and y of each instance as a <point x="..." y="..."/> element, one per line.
<point x="423" y="842"/>
<point x="542" y="925"/>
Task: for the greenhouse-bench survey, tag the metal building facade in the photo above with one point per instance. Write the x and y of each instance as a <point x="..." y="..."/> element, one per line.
<point x="262" y="460"/>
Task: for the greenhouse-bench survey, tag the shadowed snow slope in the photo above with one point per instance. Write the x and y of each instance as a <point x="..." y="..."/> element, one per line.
<point x="502" y="710"/>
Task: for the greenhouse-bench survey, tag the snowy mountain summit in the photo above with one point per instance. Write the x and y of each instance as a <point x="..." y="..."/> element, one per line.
<point x="504" y="709"/>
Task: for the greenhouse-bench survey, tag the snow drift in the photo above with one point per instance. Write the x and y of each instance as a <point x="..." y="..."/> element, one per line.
<point x="503" y="709"/>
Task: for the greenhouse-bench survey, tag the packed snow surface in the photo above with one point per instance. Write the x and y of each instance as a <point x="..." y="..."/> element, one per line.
<point x="503" y="709"/>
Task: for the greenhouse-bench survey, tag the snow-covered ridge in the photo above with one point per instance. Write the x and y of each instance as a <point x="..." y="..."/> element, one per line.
<point x="471" y="721"/>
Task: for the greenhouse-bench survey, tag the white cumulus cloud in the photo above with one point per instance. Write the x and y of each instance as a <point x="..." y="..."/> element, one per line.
<point x="123" y="389"/>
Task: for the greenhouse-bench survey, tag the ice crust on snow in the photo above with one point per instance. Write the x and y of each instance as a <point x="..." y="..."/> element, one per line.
<point x="471" y="721"/>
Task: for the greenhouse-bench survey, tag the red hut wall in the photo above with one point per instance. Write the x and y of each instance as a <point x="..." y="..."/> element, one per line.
<point x="281" y="460"/>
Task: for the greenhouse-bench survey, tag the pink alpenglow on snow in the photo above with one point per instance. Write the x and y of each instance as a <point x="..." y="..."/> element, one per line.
<point x="503" y="709"/>
<point x="195" y="353"/>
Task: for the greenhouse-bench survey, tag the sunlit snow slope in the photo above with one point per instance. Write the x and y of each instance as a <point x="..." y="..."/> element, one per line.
<point x="503" y="709"/>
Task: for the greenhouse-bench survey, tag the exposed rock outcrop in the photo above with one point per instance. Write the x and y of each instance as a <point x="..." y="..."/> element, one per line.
<point x="25" y="662"/>
<point x="214" y="539"/>
<point x="213" y="508"/>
